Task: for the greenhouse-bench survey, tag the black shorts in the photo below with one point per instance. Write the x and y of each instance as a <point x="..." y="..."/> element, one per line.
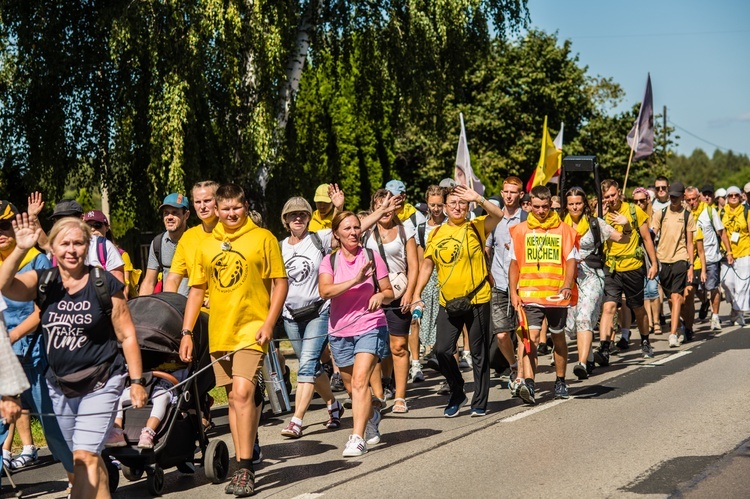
<point x="673" y="277"/>
<point x="629" y="282"/>
<point x="504" y="316"/>
<point x="556" y="317"/>
<point x="399" y="323"/>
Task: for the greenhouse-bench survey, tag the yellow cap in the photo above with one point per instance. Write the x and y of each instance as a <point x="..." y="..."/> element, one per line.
<point x="321" y="194"/>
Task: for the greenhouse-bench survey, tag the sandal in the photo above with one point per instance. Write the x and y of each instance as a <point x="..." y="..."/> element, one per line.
<point x="399" y="406"/>
<point x="23" y="460"/>
<point x="292" y="430"/>
<point x="334" y="416"/>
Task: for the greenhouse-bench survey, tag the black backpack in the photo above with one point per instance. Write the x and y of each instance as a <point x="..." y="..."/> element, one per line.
<point x="370" y="257"/>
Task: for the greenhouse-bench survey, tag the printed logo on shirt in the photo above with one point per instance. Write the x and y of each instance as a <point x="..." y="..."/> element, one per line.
<point x="65" y="325"/>
<point x="229" y="270"/>
<point x="545" y="248"/>
<point x="448" y="249"/>
<point x="299" y="270"/>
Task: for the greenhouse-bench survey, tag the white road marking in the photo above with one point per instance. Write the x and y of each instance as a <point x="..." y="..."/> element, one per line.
<point x="308" y="496"/>
<point x="670" y="358"/>
<point x="530" y="412"/>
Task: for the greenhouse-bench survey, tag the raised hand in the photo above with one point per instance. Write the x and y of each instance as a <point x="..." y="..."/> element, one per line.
<point x="27" y="232"/>
<point x="466" y="194"/>
<point x="616" y="218"/>
<point x="365" y="272"/>
<point x="336" y="195"/>
<point x="35" y="204"/>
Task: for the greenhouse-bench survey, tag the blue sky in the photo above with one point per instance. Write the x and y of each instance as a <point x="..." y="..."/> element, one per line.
<point x="698" y="54"/>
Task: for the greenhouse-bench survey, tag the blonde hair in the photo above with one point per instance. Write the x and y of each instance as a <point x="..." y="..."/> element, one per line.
<point x="65" y="225"/>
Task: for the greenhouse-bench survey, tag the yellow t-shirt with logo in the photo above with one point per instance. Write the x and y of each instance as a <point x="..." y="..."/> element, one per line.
<point x="735" y="223"/>
<point x="317" y="222"/>
<point x="238" y="276"/>
<point x="621" y="256"/>
<point x="458" y="255"/>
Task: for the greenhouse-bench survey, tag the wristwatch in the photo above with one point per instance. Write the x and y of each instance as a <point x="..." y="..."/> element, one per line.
<point x="138" y="381"/>
<point x="186" y="332"/>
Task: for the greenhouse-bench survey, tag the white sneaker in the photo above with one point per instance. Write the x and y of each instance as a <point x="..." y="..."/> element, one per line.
<point x="372" y="434"/>
<point x="465" y="360"/>
<point x="356" y="446"/>
<point x="415" y="373"/>
<point x="715" y="323"/>
<point x="673" y="341"/>
<point x="739" y="319"/>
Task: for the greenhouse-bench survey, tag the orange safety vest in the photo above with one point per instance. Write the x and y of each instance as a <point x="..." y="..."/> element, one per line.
<point x="541" y="259"/>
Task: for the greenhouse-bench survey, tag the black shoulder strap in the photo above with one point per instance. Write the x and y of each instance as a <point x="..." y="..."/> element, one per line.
<point x="661" y="220"/>
<point x="371" y="257"/>
<point x="156" y="244"/>
<point x="102" y="293"/>
<point x="333" y="261"/>
<point x="381" y="250"/>
<point x="45" y="278"/>
<point x="421" y="231"/>
<point x="318" y="242"/>
<point x="413" y="219"/>
<point x="597" y="235"/>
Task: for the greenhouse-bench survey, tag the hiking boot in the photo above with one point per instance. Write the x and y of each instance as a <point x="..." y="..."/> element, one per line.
<point x="526" y="391"/>
<point x="356" y="446"/>
<point x="580" y="371"/>
<point x="623" y="344"/>
<point x="372" y="433"/>
<point x="601" y="356"/>
<point x="647" y="350"/>
<point x="244" y="485"/>
<point x="561" y="389"/>
<point x="337" y="383"/>
<point x="334" y="416"/>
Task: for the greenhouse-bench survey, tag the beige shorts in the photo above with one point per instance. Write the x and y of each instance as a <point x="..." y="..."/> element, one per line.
<point x="245" y="363"/>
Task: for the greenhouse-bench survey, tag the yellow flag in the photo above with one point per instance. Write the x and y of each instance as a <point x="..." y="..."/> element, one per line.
<point x="549" y="159"/>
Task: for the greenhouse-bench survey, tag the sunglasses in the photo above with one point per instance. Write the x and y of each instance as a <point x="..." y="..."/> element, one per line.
<point x="661" y="187"/>
<point x="96" y="225"/>
<point x="642" y="200"/>
<point x="733" y="195"/>
<point x="6" y="226"/>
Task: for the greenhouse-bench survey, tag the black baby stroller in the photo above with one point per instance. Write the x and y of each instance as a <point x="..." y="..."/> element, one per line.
<point x="158" y="325"/>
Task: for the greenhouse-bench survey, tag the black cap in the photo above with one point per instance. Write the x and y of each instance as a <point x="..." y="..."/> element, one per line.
<point x="526" y="197"/>
<point x="708" y="188"/>
<point x="676" y="189"/>
<point x="67" y="208"/>
<point x="7" y="210"/>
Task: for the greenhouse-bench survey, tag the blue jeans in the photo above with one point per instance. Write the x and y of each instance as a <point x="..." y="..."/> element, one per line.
<point x="37" y="400"/>
<point x="315" y="337"/>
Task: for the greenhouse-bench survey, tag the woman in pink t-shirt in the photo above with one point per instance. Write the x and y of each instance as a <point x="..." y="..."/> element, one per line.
<point x="356" y="282"/>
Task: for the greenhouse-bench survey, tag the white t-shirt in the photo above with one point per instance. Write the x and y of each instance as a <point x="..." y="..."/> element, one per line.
<point x="420" y="218"/>
<point x="395" y="251"/>
<point x="302" y="262"/>
<point x="711" y="241"/>
<point x="660" y="205"/>
<point x="114" y="259"/>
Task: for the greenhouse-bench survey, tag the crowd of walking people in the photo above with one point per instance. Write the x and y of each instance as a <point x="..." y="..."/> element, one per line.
<point x="366" y="299"/>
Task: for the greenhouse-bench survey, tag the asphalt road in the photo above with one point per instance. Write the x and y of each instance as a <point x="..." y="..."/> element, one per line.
<point x="677" y="425"/>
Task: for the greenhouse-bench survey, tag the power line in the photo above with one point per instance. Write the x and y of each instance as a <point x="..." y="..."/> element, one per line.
<point x="640" y="35"/>
<point x="678" y="127"/>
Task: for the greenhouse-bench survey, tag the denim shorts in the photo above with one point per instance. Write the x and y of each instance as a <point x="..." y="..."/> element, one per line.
<point x="651" y="288"/>
<point x="308" y="340"/>
<point x="713" y="275"/>
<point x="344" y="349"/>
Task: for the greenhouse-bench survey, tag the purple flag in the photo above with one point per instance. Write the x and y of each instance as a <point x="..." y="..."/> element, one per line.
<point x="641" y="137"/>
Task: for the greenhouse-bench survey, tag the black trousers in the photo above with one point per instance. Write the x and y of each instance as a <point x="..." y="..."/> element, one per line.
<point x="477" y="322"/>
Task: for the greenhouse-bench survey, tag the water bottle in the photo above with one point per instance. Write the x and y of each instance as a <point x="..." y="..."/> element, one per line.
<point x="416" y="316"/>
<point x="275" y="388"/>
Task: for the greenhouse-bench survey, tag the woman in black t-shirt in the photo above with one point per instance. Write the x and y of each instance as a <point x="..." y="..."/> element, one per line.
<point x="86" y="368"/>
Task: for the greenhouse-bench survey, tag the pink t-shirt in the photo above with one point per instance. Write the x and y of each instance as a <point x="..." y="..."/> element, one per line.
<point x="349" y="314"/>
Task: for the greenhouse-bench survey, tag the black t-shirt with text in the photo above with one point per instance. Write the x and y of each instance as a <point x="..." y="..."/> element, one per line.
<point x="77" y="333"/>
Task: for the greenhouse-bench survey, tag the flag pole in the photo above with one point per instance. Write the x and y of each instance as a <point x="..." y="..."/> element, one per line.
<point x="630" y="159"/>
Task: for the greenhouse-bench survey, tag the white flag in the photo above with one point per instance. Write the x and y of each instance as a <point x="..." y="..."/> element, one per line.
<point x="463" y="173"/>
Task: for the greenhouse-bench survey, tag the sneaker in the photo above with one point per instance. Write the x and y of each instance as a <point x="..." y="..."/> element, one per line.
<point x="348" y="402"/>
<point x="431" y="362"/>
<point x="513" y="385"/>
<point x="601" y="356"/>
<point x="463" y="363"/>
<point x="454" y="405"/>
<point x="25" y="458"/>
<point x="647" y="350"/>
<point x="542" y="349"/>
<point x="292" y="430"/>
<point x="623" y="344"/>
<point x="229" y="489"/>
<point x="703" y="312"/>
<point x="590" y="365"/>
<point x="415" y="373"/>
<point x="356" y="446"/>
<point x="737" y="318"/>
<point x="561" y="389"/>
<point x="146" y="441"/>
<point x="466" y="357"/>
<point x="478" y="413"/>
<point x="116" y="438"/>
<point x="580" y="371"/>
<point x="372" y="433"/>
<point x="688" y="335"/>
<point x="526" y="391"/>
<point x="388" y="393"/>
<point x="257" y="454"/>
<point x="673" y="341"/>
<point x="337" y="383"/>
<point x="444" y="389"/>
<point x="715" y="323"/>
<point x="334" y="416"/>
<point x="244" y="485"/>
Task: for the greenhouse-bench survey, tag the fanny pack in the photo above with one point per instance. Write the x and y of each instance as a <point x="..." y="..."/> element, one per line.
<point x="307" y="313"/>
<point x="85" y="381"/>
<point x="459" y="306"/>
<point x="398" y="283"/>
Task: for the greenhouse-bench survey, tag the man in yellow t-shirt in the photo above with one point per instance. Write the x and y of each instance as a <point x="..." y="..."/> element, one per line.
<point x="624" y="271"/>
<point x="736" y="285"/>
<point x="242" y="268"/>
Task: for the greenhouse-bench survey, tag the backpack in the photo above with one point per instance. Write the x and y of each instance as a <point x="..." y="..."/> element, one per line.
<point x="370" y="257"/>
<point x="156" y="244"/>
<point x="595" y="259"/>
<point x="687" y="215"/>
<point x="316" y="240"/>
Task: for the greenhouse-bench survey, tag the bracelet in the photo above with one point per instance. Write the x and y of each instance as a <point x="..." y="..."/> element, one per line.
<point x="482" y="200"/>
<point x="563" y="289"/>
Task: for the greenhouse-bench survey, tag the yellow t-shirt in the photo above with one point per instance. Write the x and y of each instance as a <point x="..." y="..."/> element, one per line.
<point x="622" y="256"/>
<point x="184" y="254"/>
<point x="239" y="282"/>
<point x="735" y="223"/>
<point x="127" y="261"/>
<point x="459" y="259"/>
<point x="319" y="223"/>
<point x="698" y="236"/>
<point x="672" y="243"/>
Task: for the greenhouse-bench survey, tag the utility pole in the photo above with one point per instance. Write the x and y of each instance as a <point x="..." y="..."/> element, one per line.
<point x="665" y="136"/>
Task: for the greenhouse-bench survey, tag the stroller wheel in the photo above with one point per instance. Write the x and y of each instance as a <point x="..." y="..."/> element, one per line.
<point x="113" y="475"/>
<point x="131" y="473"/>
<point x="216" y="461"/>
<point x="155" y="481"/>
